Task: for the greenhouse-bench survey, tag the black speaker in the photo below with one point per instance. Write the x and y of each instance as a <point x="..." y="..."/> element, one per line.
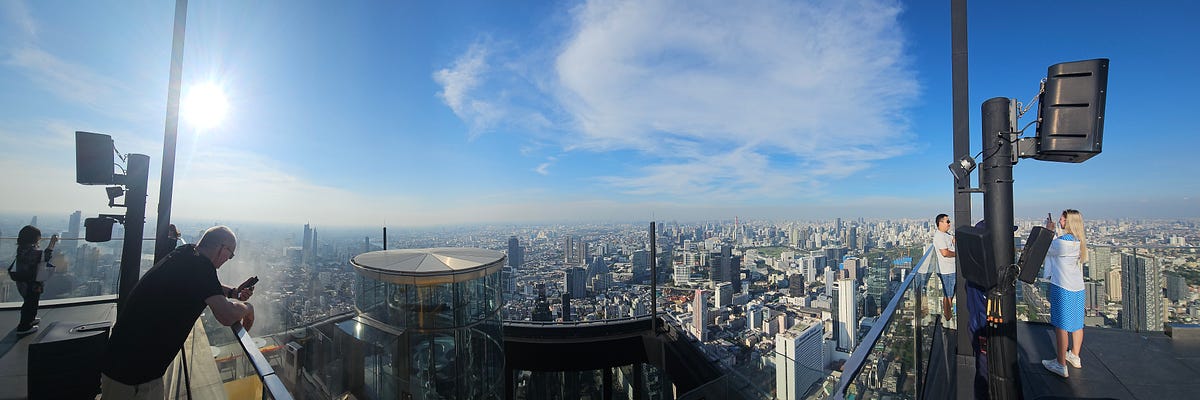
<point x="1071" y="111"/>
<point x="93" y="159"/>
<point x="1034" y="253"/>
<point x="97" y="230"/>
<point x="975" y="255"/>
<point x="64" y="361"/>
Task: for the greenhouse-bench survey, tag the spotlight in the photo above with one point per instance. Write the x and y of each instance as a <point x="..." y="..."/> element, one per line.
<point x="114" y="192"/>
<point x="962" y="169"/>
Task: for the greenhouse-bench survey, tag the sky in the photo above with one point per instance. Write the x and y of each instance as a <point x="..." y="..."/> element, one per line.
<point x="433" y="113"/>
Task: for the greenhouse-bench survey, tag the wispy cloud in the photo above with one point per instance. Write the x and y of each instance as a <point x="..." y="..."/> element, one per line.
<point x="766" y="97"/>
<point x="69" y="81"/>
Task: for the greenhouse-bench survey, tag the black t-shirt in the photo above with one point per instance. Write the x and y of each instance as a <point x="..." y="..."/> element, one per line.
<point x="159" y="315"/>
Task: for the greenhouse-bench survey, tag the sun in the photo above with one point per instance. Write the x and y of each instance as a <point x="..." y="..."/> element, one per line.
<point x="204" y="106"/>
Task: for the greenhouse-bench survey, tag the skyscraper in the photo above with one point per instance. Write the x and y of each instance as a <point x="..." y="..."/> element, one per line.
<point x="1141" y="287"/>
<point x="575" y="282"/>
<point x="724" y="294"/>
<point x="700" y="315"/>
<point x="851" y="266"/>
<point x="1099" y="262"/>
<point x="306" y="247"/>
<point x="73" y="227"/>
<point x="516" y="255"/>
<point x="846" y="325"/>
<point x="567" y="249"/>
<point x="799" y="360"/>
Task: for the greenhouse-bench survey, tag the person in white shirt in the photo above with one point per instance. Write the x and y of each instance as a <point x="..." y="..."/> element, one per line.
<point x="1064" y="269"/>
<point x="943" y="245"/>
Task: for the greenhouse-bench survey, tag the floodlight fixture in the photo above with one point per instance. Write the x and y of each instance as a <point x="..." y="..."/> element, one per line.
<point x="114" y="192"/>
<point x="962" y="168"/>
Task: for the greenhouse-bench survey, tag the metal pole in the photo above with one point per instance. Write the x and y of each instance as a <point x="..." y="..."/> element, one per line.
<point x="653" y="280"/>
<point x="964" y="357"/>
<point x="995" y="178"/>
<point x="136" y="178"/>
<point x="162" y="244"/>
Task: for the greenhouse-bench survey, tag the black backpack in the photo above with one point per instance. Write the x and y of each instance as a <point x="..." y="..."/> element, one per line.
<point x="21" y="272"/>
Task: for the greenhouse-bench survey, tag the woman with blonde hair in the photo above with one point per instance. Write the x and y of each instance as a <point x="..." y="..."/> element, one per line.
<point x="1064" y="268"/>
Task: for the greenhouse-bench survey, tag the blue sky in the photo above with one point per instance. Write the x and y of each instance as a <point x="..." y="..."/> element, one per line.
<point x="409" y="113"/>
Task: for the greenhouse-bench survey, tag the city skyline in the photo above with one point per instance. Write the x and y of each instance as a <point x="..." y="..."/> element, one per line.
<point x="582" y="111"/>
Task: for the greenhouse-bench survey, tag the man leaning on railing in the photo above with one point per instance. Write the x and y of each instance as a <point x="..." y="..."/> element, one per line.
<point x="159" y="314"/>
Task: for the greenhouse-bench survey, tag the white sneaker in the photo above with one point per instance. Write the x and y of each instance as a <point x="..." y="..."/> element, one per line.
<point x="1073" y="360"/>
<point x="1055" y="367"/>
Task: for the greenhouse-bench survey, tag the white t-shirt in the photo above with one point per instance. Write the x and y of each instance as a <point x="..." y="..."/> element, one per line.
<point x="943" y="240"/>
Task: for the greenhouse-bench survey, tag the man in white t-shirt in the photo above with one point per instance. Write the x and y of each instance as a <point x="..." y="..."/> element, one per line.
<point x="943" y="246"/>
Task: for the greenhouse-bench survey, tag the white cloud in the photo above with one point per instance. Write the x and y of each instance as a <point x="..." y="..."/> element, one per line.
<point x="743" y="99"/>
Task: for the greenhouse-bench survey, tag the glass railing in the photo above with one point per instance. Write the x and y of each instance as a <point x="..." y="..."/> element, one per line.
<point x="888" y="361"/>
<point x="82" y="270"/>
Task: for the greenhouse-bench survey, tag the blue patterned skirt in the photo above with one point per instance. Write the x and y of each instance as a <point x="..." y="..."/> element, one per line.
<point x="1066" y="308"/>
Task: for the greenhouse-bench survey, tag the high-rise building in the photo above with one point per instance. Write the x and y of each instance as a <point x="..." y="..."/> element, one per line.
<point x="700" y="315"/>
<point x="568" y="247"/>
<point x="1099" y="262"/>
<point x="877" y="283"/>
<point x="799" y="360"/>
<point x="795" y="285"/>
<point x="73" y="227"/>
<point x="575" y="282"/>
<point x="1177" y="288"/>
<point x="510" y="280"/>
<point x="683" y="274"/>
<point x="754" y="317"/>
<point x="566" y="307"/>
<point x="516" y="255"/>
<point x="1093" y="297"/>
<point x="1141" y="287"/>
<point x="1114" y="286"/>
<point x="846" y="325"/>
<point x="724" y="294"/>
<point x="809" y="265"/>
<point x="641" y="265"/>
<point x="306" y="247"/>
<point x="851" y="266"/>
<point x="581" y="252"/>
<point x="834" y="256"/>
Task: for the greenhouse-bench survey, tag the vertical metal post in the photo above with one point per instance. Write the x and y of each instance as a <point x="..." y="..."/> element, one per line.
<point x="918" y="338"/>
<point x="162" y="244"/>
<point x="964" y="356"/>
<point x="995" y="178"/>
<point x="385" y="239"/>
<point x="653" y="279"/>
<point x="136" y="178"/>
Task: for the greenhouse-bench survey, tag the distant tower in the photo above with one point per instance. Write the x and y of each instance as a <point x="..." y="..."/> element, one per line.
<point x="567" y="249"/>
<point x="575" y="282"/>
<point x="581" y="251"/>
<point x="33" y="221"/>
<point x="700" y="315"/>
<point x="516" y="255"/>
<point x="566" y="307"/>
<point x="1114" y="284"/>
<point x="1141" y="288"/>
<point x="306" y="247"/>
<point x="73" y="226"/>
<point x="846" y="325"/>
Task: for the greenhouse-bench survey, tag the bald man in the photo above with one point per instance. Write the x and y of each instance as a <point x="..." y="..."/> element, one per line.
<point x="159" y="314"/>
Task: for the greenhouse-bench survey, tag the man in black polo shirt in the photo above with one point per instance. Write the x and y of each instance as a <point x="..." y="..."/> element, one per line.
<point x="161" y="310"/>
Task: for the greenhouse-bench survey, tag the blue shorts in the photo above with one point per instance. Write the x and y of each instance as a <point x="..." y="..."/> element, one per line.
<point x="1066" y="308"/>
<point x="947" y="285"/>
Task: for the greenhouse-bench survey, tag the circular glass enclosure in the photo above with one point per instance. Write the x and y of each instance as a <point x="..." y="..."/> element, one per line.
<point x="442" y="307"/>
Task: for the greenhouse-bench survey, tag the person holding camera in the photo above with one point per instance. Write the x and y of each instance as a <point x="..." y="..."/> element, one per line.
<point x="1064" y="268"/>
<point x="160" y="312"/>
<point x="24" y="270"/>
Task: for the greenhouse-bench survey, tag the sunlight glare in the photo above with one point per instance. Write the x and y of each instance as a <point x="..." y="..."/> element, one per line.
<point x="204" y="106"/>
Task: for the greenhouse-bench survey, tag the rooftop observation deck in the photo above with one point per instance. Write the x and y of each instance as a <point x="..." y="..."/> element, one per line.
<point x="1117" y="364"/>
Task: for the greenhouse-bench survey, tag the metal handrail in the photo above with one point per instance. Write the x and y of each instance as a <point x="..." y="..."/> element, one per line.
<point x="271" y="382"/>
<point x="857" y="359"/>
